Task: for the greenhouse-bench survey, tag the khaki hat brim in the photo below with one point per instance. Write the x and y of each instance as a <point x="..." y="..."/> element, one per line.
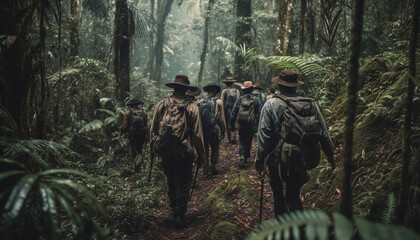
<point x="287" y="84"/>
<point x="229" y="81"/>
<point x="242" y="87"/>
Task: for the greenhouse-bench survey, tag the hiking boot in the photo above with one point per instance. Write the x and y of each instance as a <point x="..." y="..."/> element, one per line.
<point x="214" y="171"/>
<point x="179" y="222"/>
<point x="242" y="162"/>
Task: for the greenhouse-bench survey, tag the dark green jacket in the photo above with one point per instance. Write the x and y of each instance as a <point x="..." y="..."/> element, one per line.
<point x="270" y="132"/>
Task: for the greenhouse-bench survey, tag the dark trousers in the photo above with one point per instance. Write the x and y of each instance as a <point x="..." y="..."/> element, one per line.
<point x="228" y="127"/>
<point x="136" y="143"/>
<point x="294" y="179"/>
<point x="245" y="141"/>
<point x="179" y="179"/>
<point x="211" y="141"/>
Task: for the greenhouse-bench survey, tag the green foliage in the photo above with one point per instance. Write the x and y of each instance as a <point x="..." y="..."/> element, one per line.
<point x="389" y="211"/>
<point x="41" y="200"/>
<point x="297" y="64"/>
<point x="223" y="231"/>
<point x="315" y="224"/>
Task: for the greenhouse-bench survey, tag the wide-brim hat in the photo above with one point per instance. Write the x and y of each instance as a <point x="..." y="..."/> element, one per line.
<point x="193" y="92"/>
<point x="212" y="87"/>
<point x="229" y="80"/>
<point x="134" y="102"/>
<point x="287" y="78"/>
<point x="181" y="80"/>
<point x="247" y="84"/>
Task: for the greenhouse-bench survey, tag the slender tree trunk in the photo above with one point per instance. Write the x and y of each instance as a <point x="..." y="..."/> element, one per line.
<point x="206" y="40"/>
<point x="281" y="19"/>
<point x="288" y="27"/>
<point x="164" y="7"/>
<point x="57" y="104"/>
<point x="280" y="27"/>
<point x="151" y="60"/>
<point x="242" y="37"/>
<point x="40" y="123"/>
<point x="356" y="36"/>
<point x="406" y="153"/>
<point x="302" y="27"/>
<point x="74" y="28"/>
<point x="311" y="24"/>
<point x="122" y="51"/>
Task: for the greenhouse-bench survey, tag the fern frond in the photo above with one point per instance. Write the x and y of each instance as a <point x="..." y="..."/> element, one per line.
<point x="373" y="230"/>
<point x="389" y="210"/>
<point x="109" y="112"/>
<point x="228" y="42"/>
<point x="35" y="148"/>
<point x="98" y="7"/>
<point x="294" y="63"/>
<point x="93" y="125"/>
<point x="289" y="225"/>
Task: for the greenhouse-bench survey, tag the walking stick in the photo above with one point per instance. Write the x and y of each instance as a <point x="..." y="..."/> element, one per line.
<point x="261" y="197"/>
<point x="195" y="178"/>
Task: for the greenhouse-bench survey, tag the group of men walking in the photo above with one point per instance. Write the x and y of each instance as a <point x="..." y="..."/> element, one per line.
<point x="186" y="131"/>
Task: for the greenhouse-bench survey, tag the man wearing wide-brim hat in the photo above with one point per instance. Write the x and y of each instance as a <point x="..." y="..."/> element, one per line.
<point x="193" y="93"/>
<point x="137" y="135"/>
<point x="272" y="135"/>
<point x="229" y="95"/>
<point x="214" y="126"/>
<point x="177" y="139"/>
<point x="259" y="93"/>
<point x="245" y="115"/>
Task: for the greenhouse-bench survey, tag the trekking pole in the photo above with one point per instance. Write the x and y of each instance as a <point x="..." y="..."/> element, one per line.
<point x="195" y="178"/>
<point x="152" y="156"/>
<point x="261" y="196"/>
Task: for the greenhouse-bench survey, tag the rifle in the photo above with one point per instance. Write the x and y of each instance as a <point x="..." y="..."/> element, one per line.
<point x="195" y="178"/>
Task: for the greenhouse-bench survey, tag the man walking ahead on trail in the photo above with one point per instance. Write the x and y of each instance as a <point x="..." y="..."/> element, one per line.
<point x="229" y="95"/>
<point x="245" y="114"/>
<point x="135" y="124"/>
<point x="214" y="125"/>
<point x="176" y="136"/>
<point x="289" y="133"/>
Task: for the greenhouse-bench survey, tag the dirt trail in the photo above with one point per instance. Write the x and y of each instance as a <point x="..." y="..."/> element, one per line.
<point x="199" y="217"/>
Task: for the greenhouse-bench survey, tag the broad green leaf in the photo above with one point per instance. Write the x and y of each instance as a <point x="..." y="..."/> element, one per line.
<point x="17" y="198"/>
<point x="50" y="209"/>
<point x="7" y="174"/>
<point x="109" y="112"/>
<point x="343" y="228"/>
<point x="371" y="230"/>
<point x="93" y="125"/>
<point x="65" y="171"/>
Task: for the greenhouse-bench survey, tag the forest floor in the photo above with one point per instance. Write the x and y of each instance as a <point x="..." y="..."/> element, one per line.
<point x="199" y="216"/>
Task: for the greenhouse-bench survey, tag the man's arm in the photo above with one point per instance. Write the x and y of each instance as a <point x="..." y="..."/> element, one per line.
<point x="326" y="142"/>
<point x="197" y="132"/>
<point x="220" y="112"/>
<point x="234" y="113"/>
<point x="268" y="132"/>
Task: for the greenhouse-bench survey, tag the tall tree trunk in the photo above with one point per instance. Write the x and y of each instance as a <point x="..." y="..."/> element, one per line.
<point x="40" y="123"/>
<point x="164" y="7"/>
<point x="74" y="28"/>
<point x="311" y="24"/>
<point x="356" y="36"/>
<point x="242" y="37"/>
<point x="405" y="181"/>
<point x="302" y="27"/>
<point x="151" y="60"/>
<point x="57" y="103"/>
<point x="206" y="40"/>
<point x="281" y="19"/>
<point x="288" y="27"/>
<point x="122" y="51"/>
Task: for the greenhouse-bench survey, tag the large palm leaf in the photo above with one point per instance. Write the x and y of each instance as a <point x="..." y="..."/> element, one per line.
<point x="299" y="65"/>
<point x="54" y="194"/>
